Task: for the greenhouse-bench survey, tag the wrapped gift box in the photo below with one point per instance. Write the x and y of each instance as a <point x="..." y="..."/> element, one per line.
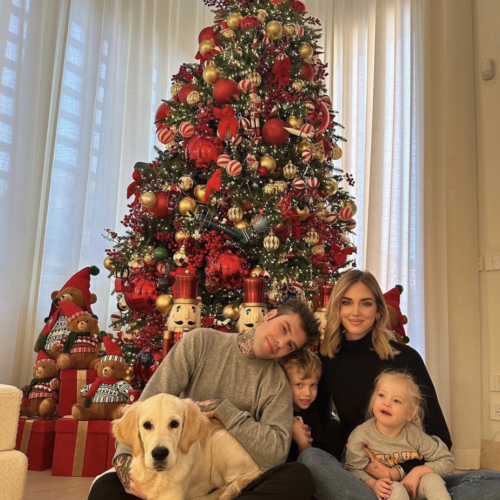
<point x="111" y="447"/>
<point x="35" y="438"/>
<point x="81" y="447"/>
<point x="72" y="382"/>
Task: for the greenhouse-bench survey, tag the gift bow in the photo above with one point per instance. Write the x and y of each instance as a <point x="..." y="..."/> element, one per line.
<point x="213" y="183"/>
<point x="227" y="121"/>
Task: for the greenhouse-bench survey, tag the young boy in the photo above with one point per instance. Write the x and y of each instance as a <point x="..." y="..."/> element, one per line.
<point x="303" y="370"/>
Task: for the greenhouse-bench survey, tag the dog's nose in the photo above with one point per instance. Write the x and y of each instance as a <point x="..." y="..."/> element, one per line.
<point x="160" y="453"/>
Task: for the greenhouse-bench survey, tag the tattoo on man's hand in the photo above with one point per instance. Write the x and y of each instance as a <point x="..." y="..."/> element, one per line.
<point x="209" y="405"/>
<point x="123" y="463"/>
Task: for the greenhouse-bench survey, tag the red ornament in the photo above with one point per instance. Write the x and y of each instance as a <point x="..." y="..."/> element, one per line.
<point x="161" y="113"/>
<point x="298" y="184"/>
<point x="142" y="297"/>
<point x="346" y="213"/>
<point x="332" y="217"/>
<point x="204" y="149"/>
<point x="228" y="268"/>
<point x="223" y="160"/>
<point x="262" y="172"/>
<point x="146" y="363"/>
<point x="307" y="155"/>
<point x="225" y="89"/>
<point x="307" y="72"/>
<point x="245" y="85"/>
<point x="212" y="285"/>
<point x="274" y="133"/>
<point x="165" y="204"/>
<point x="313" y="183"/>
<point x="208" y="34"/>
<point x="234" y="168"/>
<point x="164" y="135"/>
<point x="186" y="129"/>
<point x="297" y="6"/>
<point x="250" y="22"/>
<point x="185" y="91"/>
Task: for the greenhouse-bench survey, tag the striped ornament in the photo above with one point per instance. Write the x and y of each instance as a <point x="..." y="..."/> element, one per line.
<point x="299" y="30"/>
<point x="223" y="160"/>
<point x="307" y="128"/>
<point x="237" y="139"/>
<point x="326" y="99"/>
<point x="313" y="182"/>
<point x="217" y="50"/>
<point x="244" y="123"/>
<point x="234" y="168"/>
<point x="298" y="184"/>
<point x="245" y="86"/>
<point x="164" y="135"/>
<point x="332" y="218"/>
<point x="314" y="193"/>
<point x="205" y="63"/>
<point x="267" y="41"/>
<point x="186" y="129"/>
<point x="346" y="213"/>
<point x="307" y="155"/>
<point x="351" y="224"/>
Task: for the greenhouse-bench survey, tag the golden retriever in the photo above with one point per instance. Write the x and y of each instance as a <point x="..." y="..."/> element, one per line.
<point x="180" y="454"/>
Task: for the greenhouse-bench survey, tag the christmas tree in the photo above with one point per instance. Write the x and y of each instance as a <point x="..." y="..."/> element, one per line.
<point x="245" y="186"/>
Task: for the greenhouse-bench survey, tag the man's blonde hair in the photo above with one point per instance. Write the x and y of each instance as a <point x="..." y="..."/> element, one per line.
<point x="303" y="361"/>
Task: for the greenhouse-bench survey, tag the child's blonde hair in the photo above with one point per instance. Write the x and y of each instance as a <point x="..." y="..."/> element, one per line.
<point x="417" y="402"/>
<point x="304" y="361"/>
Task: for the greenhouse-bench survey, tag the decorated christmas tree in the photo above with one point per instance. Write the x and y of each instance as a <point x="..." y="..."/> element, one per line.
<point x="244" y="203"/>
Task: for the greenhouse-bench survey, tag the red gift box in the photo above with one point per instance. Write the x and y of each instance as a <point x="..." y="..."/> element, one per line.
<point x="133" y="396"/>
<point x="81" y="447"/>
<point x="72" y="382"/>
<point x="35" y="438"/>
<point x="111" y="447"/>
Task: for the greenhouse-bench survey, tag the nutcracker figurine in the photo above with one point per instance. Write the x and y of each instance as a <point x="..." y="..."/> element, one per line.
<point x="254" y="110"/>
<point x="254" y="308"/>
<point x="325" y="291"/>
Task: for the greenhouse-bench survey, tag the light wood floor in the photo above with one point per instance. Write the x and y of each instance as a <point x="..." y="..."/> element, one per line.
<point x="44" y="485"/>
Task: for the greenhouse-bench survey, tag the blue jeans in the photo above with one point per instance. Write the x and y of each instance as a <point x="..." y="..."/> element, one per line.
<point x="333" y="482"/>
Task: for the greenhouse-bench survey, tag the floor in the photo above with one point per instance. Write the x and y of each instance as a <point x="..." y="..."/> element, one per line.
<point x="43" y="485"/>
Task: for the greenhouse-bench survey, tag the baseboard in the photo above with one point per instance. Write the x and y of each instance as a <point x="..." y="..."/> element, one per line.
<point x="490" y="455"/>
<point x="466" y="459"/>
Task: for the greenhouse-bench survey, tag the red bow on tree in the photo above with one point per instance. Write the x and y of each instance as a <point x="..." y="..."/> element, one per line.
<point x="133" y="188"/>
<point x="213" y="183"/>
<point x="281" y="70"/>
<point x="227" y="121"/>
<point x="341" y="257"/>
<point x="203" y="57"/>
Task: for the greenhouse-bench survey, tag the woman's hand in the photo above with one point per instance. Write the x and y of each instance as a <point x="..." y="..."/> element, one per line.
<point x="381" y="487"/>
<point x="377" y="469"/>
<point x="412" y="479"/>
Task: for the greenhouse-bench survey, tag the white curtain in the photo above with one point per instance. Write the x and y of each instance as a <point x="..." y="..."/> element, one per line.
<point x="86" y="82"/>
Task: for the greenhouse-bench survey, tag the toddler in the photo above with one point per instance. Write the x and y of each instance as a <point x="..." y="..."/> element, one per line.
<point x="394" y="433"/>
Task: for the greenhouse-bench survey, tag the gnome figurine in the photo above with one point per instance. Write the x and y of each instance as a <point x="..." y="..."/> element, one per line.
<point x="396" y="317"/>
<point x="254" y="307"/>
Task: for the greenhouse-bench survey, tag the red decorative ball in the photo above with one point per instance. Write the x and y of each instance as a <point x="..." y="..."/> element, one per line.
<point x="162" y="112"/>
<point x="204" y="149"/>
<point x="234" y="168"/>
<point x="262" y="172"/>
<point x="184" y="92"/>
<point x="208" y="33"/>
<point x="245" y="85"/>
<point x="298" y="184"/>
<point x="225" y="89"/>
<point x="223" y="160"/>
<point x="250" y="22"/>
<point x="274" y="133"/>
<point x="228" y="268"/>
<point x="346" y="213"/>
<point x="146" y="363"/>
<point x="332" y="218"/>
<point x="142" y="297"/>
<point x="307" y="155"/>
<point x="164" y="135"/>
<point x="244" y="123"/>
<point x="297" y="6"/>
<point x="307" y="72"/>
<point x="165" y="205"/>
<point x="313" y="183"/>
<point x="186" y="129"/>
<point x="212" y="285"/>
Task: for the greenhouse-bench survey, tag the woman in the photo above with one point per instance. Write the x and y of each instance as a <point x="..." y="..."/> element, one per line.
<point x="357" y="347"/>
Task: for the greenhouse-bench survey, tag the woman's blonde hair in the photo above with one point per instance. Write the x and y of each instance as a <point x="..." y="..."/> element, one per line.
<point x="417" y="402"/>
<point x="334" y="330"/>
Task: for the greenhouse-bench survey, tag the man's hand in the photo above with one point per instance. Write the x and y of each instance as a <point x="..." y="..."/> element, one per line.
<point x="412" y="479"/>
<point x="381" y="487"/>
<point x="377" y="469"/>
<point x="122" y="465"/>
<point x="301" y="434"/>
<point x="209" y="406"/>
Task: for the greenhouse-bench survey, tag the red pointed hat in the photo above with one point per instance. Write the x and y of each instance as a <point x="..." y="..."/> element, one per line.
<point x="392" y="298"/>
<point x="113" y="351"/>
<point x="71" y="310"/>
<point x="42" y="356"/>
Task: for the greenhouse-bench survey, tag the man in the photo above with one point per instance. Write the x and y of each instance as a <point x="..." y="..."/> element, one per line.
<point x="236" y="379"/>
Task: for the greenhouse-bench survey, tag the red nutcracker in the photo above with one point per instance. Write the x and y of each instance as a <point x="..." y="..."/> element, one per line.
<point x="254" y="307"/>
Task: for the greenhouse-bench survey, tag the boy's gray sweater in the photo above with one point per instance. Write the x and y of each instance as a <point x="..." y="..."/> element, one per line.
<point x="256" y="398"/>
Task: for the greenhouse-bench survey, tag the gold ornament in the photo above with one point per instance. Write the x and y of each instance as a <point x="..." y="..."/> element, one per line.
<point x="235" y="214"/>
<point x="148" y="200"/>
<point x="268" y="162"/>
<point x="231" y="312"/>
<point x="193" y="97"/>
<point x="298" y="85"/>
<point x="280" y="186"/>
<point x="255" y="78"/>
<point x="290" y="171"/>
<point x="164" y="303"/>
<point x="211" y="74"/>
<point x="181" y="235"/>
<point x="331" y="187"/>
<point x="271" y="242"/>
<point x="303" y="213"/>
<point x="303" y="145"/>
<point x="242" y="224"/>
<point x="148" y="259"/>
<point x="256" y="271"/>
<point x="306" y="51"/>
<point x="206" y="46"/>
<point x="109" y="265"/>
<point x="312" y="237"/>
<point x="295" y="121"/>
<point x="186" y="205"/>
<point x="274" y="30"/>
<point x="180" y="257"/>
<point x="186" y="182"/>
<point x="175" y="89"/>
<point x="290" y="29"/>
<point x="352" y="206"/>
<point x="233" y="20"/>
<point x="269" y="189"/>
<point x="199" y="191"/>
<point x="336" y="152"/>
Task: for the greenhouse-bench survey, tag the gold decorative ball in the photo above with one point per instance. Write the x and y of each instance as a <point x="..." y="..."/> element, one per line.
<point x="235" y="214"/>
<point x="242" y="224"/>
<point x="290" y="29"/>
<point x="352" y="206"/>
<point x="211" y="74"/>
<point x="181" y="235"/>
<point x="185" y="182"/>
<point x="109" y="265"/>
<point x="303" y="145"/>
<point x="306" y="51"/>
<point x="148" y="200"/>
<point x="268" y="162"/>
<point x="331" y="187"/>
<point x="336" y="152"/>
<point x="255" y="272"/>
<point x="233" y="20"/>
<point x="193" y="97"/>
<point x="290" y="170"/>
<point x="271" y="242"/>
<point x="298" y="85"/>
<point x="206" y="46"/>
<point x="164" y="303"/>
<point x="255" y="78"/>
<point x="270" y="189"/>
<point x="148" y="259"/>
<point x="274" y="30"/>
<point x="199" y="191"/>
<point x="231" y="312"/>
<point x="312" y="237"/>
<point x="175" y="89"/>
<point x="295" y="121"/>
<point x="303" y="213"/>
<point x="186" y="205"/>
<point x="281" y="186"/>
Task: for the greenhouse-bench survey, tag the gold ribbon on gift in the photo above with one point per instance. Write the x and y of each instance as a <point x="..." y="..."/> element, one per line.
<point x="25" y="441"/>
<point x="81" y="440"/>
<point x="81" y="382"/>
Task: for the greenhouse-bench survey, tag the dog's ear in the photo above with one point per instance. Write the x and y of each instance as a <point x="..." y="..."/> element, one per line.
<point x="193" y="425"/>
<point x="126" y="429"/>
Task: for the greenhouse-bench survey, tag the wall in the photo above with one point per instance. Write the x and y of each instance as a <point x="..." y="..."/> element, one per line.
<point x="487" y="44"/>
